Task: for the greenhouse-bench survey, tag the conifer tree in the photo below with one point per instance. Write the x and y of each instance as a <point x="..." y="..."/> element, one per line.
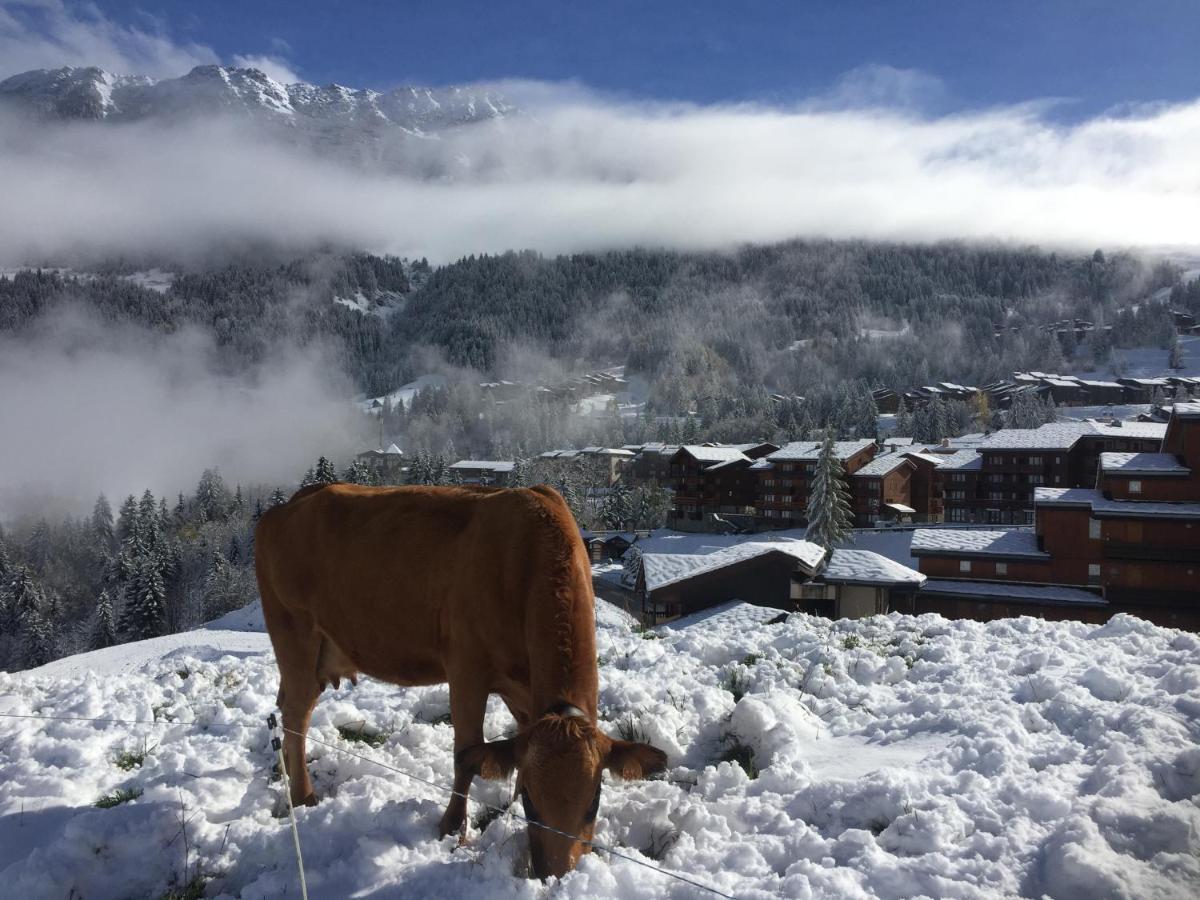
<point x="277" y="498"/>
<point x="104" y="630"/>
<point x="904" y="421"/>
<point x="829" y="516"/>
<point x="324" y="473"/>
<point x="126" y="518"/>
<point x="37" y="640"/>
<point x="103" y="529"/>
<point x="145" y="607"/>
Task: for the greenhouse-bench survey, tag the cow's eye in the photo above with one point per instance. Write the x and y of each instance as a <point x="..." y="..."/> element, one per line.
<point x="590" y="815"/>
<point x="530" y="809"/>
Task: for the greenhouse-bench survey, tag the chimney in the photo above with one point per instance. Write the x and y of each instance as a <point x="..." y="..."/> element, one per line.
<point x="945" y="442"/>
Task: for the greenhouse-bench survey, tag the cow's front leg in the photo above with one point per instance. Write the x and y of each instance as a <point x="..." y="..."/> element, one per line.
<point x="468" y="702"/>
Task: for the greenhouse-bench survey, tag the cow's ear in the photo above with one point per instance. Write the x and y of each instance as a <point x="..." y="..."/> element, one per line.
<point x="632" y="760"/>
<point x="492" y="760"/>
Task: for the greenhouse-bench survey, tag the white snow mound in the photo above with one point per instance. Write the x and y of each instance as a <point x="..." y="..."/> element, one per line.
<point x="887" y="757"/>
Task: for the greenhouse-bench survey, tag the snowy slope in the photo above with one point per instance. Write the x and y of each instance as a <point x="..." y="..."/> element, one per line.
<point x="897" y="756"/>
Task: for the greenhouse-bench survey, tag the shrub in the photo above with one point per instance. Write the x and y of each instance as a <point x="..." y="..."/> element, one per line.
<point x="358" y="734"/>
<point x="117" y="797"/>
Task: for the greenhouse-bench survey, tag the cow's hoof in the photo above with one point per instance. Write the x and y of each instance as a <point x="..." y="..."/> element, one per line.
<point x="453" y="825"/>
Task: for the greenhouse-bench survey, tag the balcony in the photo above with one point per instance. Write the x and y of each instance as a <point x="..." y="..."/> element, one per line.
<point x="1149" y="552"/>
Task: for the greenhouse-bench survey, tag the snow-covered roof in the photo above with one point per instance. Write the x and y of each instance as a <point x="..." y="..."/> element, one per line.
<point x="1122" y="509"/>
<point x="934" y="458"/>
<point x="492" y="465"/>
<point x="882" y="465"/>
<point x="900" y="507"/>
<point x="1132" y="429"/>
<point x="1142" y="464"/>
<point x="663" y="569"/>
<point x="1052" y="436"/>
<point x="702" y="453"/>
<point x="960" y="459"/>
<point x="804" y="450"/>
<point x="1031" y="593"/>
<point x="969" y="542"/>
<point x="393" y="450"/>
<point x="1186" y="410"/>
<point x="899" y="441"/>
<point x="847" y="566"/>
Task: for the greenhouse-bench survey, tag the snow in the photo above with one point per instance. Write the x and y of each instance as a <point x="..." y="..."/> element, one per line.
<point x="1142" y="464"/>
<point x="810" y="450"/>
<point x="662" y="569"/>
<point x="858" y="566"/>
<point x="882" y="465"/>
<point x="1102" y="506"/>
<point x="1041" y="593"/>
<point x="976" y="542"/>
<point x="406" y="393"/>
<point x="897" y="756"/>
<point x="1148" y="362"/>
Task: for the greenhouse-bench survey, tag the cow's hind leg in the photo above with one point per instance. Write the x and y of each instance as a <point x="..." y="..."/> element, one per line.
<point x="297" y="650"/>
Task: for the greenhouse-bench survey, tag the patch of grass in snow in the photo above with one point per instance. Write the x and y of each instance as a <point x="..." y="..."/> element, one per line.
<point x="646" y="632"/>
<point x="485" y="817"/>
<point x="128" y="760"/>
<point x="357" y="734"/>
<point x="117" y="797"/>
<point x="630" y="728"/>
<point x="661" y="841"/>
<point x="736" y="682"/>
<point x="750" y="659"/>
<point x="851" y="641"/>
<point x="737" y="752"/>
<point x="193" y="890"/>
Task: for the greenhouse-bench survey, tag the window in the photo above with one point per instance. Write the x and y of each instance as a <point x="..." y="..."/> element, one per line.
<point x="964" y="565"/>
<point x="956" y="495"/>
<point x="769" y="482"/>
<point x="769" y="498"/>
<point x="1035" y="479"/>
<point x="995" y="495"/>
<point x="958" y="476"/>
<point x="1058" y="460"/>
<point x="996" y="478"/>
<point x="1093" y="573"/>
<point x="1034" y="461"/>
<point x="1135" y="487"/>
<point x="1029" y="516"/>
<point x="1094" y="529"/>
<point x="958" y="515"/>
<point x="1001" y="568"/>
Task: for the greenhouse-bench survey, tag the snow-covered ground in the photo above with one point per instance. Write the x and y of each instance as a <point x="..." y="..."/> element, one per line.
<point x="895" y="757"/>
<point x="1146" y="362"/>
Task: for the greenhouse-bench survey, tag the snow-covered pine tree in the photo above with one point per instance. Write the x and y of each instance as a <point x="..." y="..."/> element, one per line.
<point x="325" y="473"/>
<point x="37" y="640"/>
<point x="830" y="519"/>
<point x="144" y="612"/>
<point x="126" y="517"/>
<point x="633" y="566"/>
<point x="278" y="498"/>
<point x="212" y="497"/>
<point x="104" y="629"/>
<point x="1175" y="354"/>
<point x="904" y="420"/>
<point x="103" y="529"/>
<point x="220" y="593"/>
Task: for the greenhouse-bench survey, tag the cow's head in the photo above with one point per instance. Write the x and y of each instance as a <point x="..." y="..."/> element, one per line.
<point x="559" y="762"/>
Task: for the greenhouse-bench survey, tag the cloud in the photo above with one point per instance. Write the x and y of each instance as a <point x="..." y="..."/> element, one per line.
<point x="587" y="173"/>
<point x="37" y="34"/>
<point x="90" y="407"/>
<point x="48" y="34"/>
<point x="878" y="86"/>
<point x="273" y="66"/>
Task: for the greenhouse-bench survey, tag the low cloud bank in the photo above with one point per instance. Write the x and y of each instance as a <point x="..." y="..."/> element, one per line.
<point x="89" y="407"/>
<point x="588" y="174"/>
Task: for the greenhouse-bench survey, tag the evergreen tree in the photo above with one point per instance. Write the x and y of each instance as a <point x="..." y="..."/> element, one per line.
<point x="212" y="497"/>
<point x="1175" y="354"/>
<point x="258" y="509"/>
<point x="145" y="608"/>
<point x="103" y="528"/>
<point x="220" y="588"/>
<point x="104" y="630"/>
<point x="25" y="597"/>
<point x="324" y="473"/>
<point x="127" y="518"/>
<point x="632" y="566"/>
<point x="37" y="640"/>
<point x="830" y="519"/>
<point x="277" y="498"/>
<point x="616" y="511"/>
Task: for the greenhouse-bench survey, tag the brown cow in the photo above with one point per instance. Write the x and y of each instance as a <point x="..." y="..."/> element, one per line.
<point x="488" y="589"/>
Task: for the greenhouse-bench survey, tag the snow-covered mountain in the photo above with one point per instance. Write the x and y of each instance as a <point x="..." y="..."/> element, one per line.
<point x="331" y="119"/>
<point x="884" y="757"/>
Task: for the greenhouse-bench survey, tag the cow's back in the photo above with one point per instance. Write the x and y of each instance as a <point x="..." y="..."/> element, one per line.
<point x="401" y="579"/>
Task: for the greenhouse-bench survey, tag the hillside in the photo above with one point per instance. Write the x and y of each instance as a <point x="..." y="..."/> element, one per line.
<point x="893" y="756"/>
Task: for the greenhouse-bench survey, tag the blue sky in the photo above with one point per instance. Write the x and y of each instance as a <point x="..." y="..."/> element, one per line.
<point x="1095" y="54"/>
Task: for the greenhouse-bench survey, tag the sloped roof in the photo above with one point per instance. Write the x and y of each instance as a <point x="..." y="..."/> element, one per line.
<point x="882" y="465"/>
<point x="1186" y="410"/>
<point x="1053" y="436"/>
<point x="702" y="453"/>
<point x="664" y="569"/>
<point x="806" y="450"/>
<point x="1122" y="509"/>
<point x="971" y="542"/>
<point x="393" y="450"/>
<point x="1142" y="464"/>
<point x="1031" y="593"/>
<point x="961" y="459"/>
<point x="493" y="465"/>
<point x="848" y="566"/>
